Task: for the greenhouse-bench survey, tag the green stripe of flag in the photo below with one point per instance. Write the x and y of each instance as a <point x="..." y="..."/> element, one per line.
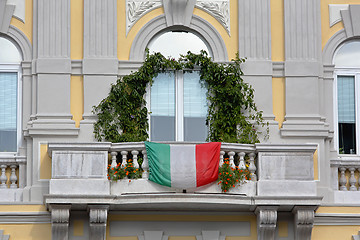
<point x="159" y="162"/>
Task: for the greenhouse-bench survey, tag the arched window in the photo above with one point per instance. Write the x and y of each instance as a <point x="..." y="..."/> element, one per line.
<point x="177" y="100"/>
<point x="10" y="59"/>
<point x="347" y="82"/>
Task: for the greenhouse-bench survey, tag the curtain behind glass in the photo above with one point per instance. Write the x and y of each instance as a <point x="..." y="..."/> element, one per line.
<point x="195" y="108"/>
<point x="162" y="107"/>
<point x="8" y="112"/>
<point x="346" y="114"/>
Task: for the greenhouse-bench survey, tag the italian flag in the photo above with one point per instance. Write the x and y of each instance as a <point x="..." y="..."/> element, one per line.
<point x="183" y="166"/>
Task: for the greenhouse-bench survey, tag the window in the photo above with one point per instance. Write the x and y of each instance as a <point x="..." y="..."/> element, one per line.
<point x="177" y="99"/>
<point x="347" y="82"/>
<point x="9" y="96"/>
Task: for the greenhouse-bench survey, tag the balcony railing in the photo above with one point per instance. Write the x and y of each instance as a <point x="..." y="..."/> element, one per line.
<point x="12" y="177"/>
<point x="346" y="172"/>
<point x="276" y="169"/>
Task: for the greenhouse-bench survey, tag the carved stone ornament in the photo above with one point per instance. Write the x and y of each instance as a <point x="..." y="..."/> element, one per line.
<point x="266" y="222"/>
<point x="304" y="222"/>
<point x="135" y="9"/>
<point x="97" y="218"/>
<point x="218" y="9"/>
<point x="60" y="221"/>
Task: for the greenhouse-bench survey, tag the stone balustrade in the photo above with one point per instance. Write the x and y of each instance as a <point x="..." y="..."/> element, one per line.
<point x="237" y="154"/>
<point x="14" y="164"/>
<point x="81" y="169"/>
<point x="346" y="172"/>
<point x="12" y="177"/>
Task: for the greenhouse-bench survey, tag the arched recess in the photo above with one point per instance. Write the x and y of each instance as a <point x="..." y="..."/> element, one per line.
<point x="197" y="25"/>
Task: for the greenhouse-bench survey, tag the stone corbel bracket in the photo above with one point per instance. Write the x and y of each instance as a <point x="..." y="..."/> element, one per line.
<point x="266" y="222"/>
<point x="304" y="222"/>
<point x="178" y="12"/>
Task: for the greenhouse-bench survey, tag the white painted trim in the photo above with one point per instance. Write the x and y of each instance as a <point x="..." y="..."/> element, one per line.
<point x="347" y="72"/>
<point x="24" y="217"/>
<point x="336" y="219"/>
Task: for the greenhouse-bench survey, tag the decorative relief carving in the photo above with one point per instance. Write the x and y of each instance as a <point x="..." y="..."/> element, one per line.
<point x="136" y="9"/>
<point x="266" y="221"/>
<point x="304" y="222"/>
<point x="98" y="215"/>
<point x="219" y="9"/>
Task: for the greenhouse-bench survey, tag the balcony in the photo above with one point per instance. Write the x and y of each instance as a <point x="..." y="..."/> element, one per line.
<point x="281" y="175"/>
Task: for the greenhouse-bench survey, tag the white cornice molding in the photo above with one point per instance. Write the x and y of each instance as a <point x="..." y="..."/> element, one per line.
<point x="338" y="219"/>
<point x="24" y="217"/>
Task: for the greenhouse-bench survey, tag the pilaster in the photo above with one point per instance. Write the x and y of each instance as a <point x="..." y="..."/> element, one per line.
<point x="266" y="222"/>
<point x="304" y="222"/>
<point x="60" y="215"/>
<point x="100" y="64"/>
<point x="304" y="116"/>
<point x="98" y="219"/>
<point x="255" y="44"/>
<point x="51" y="69"/>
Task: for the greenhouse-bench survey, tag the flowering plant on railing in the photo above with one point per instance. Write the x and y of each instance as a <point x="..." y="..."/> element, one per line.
<point x="129" y="171"/>
<point x="231" y="176"/>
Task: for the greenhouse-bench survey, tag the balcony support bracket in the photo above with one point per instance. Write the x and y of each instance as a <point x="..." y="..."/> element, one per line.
<point x="266" y="222"/>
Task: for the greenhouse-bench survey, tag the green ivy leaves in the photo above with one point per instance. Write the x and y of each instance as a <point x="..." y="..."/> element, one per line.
<point x="232" y="113"/>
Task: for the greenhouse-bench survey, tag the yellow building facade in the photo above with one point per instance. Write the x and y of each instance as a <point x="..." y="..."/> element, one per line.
<point x="58" y="59"/>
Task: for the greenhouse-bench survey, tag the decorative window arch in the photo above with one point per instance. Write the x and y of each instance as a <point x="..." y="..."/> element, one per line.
<point x="197" y="25"/>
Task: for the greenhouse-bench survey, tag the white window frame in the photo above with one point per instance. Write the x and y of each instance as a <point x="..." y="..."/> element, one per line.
<point x="179" y="105"/>
<point x="355" y="72"/>
<point x="15" y="68"/>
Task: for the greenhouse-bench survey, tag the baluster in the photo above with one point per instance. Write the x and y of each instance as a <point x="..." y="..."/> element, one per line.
<point x="113" y="159"/>
<point x="145" y="165"/>
<point x="342" y="180"/>
<point x="241" y="161"/>
<point x="13" y="177"/>
<point x="135" y="158"/>
<point x="221" y="161"/>
<point x="124" y="158"/>
<point x="3" y="177"/>
<point x="231" y="159"/>
<point x="352" y="179"/>
<point x="252" y="167"/>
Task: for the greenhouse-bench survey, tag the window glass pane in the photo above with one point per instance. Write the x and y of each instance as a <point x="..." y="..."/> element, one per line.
<point x="162" y="108"/>
<point x="172" y="44"/>
<point x="195" y="108"/>
<point x="8" y="53"/>
<point x="8" y="112"/>
<point x="346" y="114"/>
<point x="348" y="55"/>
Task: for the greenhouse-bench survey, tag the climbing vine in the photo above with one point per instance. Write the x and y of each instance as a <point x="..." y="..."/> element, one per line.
<point x="232" y="113"/>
